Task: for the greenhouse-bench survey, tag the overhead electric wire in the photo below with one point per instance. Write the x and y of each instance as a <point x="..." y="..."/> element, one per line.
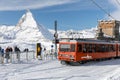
<point x="102" y="9"/>
<point x="118" y="2"/>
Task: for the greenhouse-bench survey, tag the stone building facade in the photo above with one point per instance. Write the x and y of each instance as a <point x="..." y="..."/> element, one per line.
<point x="108" y="28"/>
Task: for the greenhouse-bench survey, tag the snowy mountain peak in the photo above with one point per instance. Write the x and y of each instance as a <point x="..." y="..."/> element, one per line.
<point x="27" y="20"/>
<point x="28" y="30"/>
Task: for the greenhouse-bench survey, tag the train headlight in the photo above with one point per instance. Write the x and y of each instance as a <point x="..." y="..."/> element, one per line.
<point x="60" y="54"/>
<point x="71" y="57"/>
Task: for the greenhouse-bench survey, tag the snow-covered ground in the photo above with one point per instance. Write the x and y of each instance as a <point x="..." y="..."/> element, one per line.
<point x="53" y="70"/>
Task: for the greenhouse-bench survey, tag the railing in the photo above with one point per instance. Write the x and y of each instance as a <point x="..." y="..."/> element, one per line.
<point x="14" y="57"/>
<point x="17" y="57"/>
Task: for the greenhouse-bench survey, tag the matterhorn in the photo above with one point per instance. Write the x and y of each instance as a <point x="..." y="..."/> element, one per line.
<point x="27" y="31"/>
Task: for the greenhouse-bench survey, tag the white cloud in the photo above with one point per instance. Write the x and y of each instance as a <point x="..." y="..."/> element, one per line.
<point x="81" y="5"/>
<point x="31" y="4"/>
<point x="6" y="5"/>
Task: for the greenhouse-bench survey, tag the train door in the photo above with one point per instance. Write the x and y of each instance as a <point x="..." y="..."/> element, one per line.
<point x="84" y="51"/>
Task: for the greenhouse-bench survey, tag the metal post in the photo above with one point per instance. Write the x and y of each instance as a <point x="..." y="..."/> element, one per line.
<point x="27" y="55"/>
<point x="33" y="54"/>
<point x="55" y="35"/>
<point x="18" y="55"/>
<point x="0" y="57"/>
<point x="11" y="57"/>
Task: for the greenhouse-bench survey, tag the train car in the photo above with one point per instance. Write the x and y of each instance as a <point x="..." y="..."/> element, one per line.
<point x="82" y="50"/>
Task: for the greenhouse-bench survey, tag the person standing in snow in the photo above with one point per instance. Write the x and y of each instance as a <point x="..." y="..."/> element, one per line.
<point x="17" y="51"/>
<point x="11" y="55"/>
<point x="7" y="55"/>
<point x="44" y="53"/>
<point x="39" y="51"/>
<point x="2" y="56"/>
<point x="26" y="50"/>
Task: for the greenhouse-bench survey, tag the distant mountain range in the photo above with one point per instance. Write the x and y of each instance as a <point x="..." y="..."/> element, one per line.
<point x="28" y="32"/>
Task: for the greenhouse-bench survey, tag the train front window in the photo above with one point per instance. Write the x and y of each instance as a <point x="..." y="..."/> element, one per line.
<point x="72" y="48"/>
<point x="67" y="47"/>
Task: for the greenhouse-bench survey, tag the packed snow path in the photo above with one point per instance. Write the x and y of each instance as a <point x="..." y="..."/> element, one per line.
<point x="53" y="70"/>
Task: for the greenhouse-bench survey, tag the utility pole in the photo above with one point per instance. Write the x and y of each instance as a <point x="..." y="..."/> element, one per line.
<point x="56" y="37"/>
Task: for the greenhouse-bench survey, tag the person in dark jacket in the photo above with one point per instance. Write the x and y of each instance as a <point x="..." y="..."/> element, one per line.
<point x="7" y="55"/>
<point x="2" y="55"/>
<point x="26" y="50"/>
<point x="17" y="51"/>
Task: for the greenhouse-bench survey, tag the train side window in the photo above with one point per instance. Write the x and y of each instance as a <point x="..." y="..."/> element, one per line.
<point x="72" y="48"/>
<point x="108" y="48"/>
<point x="94" y="48"/>
<point x="90" y="48"/>
<point x="119" y="47"/>
<point x="103" y="48"/>
<point x="79" y="47"/>
<point x="98" y="48"/>
<point x="112" y="48"/>
<point x="84" y="48"/>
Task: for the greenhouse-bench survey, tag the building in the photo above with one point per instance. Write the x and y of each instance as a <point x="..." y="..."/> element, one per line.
<point x="109" y="28"/>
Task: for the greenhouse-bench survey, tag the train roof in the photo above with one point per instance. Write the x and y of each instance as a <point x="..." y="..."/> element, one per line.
<point x="86" y="40"/>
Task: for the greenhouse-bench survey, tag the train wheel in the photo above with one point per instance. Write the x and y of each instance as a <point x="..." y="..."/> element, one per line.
<point x="64" y="62"/>
<point x="83" y="62"/>
<point x="98" y="60"/>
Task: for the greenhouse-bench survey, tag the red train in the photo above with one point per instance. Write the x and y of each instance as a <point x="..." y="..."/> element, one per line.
<point x="83" y="50"/>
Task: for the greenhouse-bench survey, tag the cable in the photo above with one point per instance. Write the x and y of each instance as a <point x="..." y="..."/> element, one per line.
<point x="102" y="9"/>
<point x="118" y="2"/>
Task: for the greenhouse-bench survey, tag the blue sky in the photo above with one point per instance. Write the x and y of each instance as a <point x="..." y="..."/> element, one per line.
<point x="70" y="14"/>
